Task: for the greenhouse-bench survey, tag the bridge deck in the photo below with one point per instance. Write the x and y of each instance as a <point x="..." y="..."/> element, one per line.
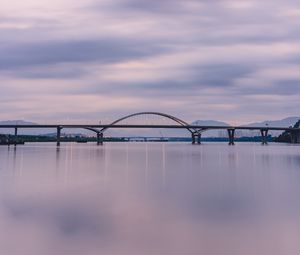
<point x="150" y="126"/>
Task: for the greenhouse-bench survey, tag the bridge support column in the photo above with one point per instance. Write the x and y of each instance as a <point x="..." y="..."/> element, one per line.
<point x="99" y="138"/>
<point x="231" y="133"/>
<point x="58" y="134"/>
<point x="196" y="138"/>
<point x="295" y="136"/>
<point x="199" y="138"/>
<point x="16" y="136"/>
<point x="264" y="136"/>
<point x="193" y="138"/>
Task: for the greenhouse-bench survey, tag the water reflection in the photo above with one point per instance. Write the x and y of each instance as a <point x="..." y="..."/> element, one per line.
<point x="156" y="198"/>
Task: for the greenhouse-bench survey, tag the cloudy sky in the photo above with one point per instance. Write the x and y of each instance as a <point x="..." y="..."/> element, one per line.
<point x="77" y="61"/>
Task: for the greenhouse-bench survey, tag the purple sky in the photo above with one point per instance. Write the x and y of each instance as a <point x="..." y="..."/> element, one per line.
<point x="86" y="60"/>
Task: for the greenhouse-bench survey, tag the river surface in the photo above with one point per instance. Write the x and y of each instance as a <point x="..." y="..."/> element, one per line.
<point x="150" y="198"/>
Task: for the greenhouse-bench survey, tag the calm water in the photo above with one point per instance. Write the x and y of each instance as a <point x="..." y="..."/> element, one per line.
<point x="150" y="198"/>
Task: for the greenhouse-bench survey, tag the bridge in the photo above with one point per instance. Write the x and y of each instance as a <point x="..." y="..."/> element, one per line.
<point x="194" y="130"/>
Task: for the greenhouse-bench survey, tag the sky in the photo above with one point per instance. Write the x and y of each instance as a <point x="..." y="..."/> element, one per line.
<point x="89" y="60"/>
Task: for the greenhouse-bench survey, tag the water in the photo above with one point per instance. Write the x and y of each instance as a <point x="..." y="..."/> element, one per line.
<point x="150" y="198"/>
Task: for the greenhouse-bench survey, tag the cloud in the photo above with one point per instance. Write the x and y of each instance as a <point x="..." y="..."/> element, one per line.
<point x="56" y="52"/>
<point x="189" y="53"/>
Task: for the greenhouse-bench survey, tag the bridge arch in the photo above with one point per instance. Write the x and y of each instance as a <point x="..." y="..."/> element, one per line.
<point x="92" y="129"/>
<point x="177" y="120"/>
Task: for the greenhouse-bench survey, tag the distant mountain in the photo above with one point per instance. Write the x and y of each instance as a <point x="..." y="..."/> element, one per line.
<point x="210" y="123"/>
<point x="290" y="121"/>
<point x="24" y="131"/>
<point x="286" y="122"/>
<point x="16" y="122"/>
<point x="212" y="133"/>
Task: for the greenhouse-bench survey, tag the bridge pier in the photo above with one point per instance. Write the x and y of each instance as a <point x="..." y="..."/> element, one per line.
<point x="193" y="138"/>
<point x="231" y="132"/>
<point x="199" y="138"/>
<point x="99" y="138"/>
<point x="295" y="136"/>
<point x="16" y="136"/>
<point x="58" y="134"/>
<point x="196" y="137"/>
<point x="264" y="136"/>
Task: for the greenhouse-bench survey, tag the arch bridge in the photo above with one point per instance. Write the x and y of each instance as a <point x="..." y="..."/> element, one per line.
<point x="194" y="130"/>
<point x="195" y="133"/>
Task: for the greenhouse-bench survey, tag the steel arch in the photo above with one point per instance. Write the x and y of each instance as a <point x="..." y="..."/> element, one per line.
<point x="179" y="121"/>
